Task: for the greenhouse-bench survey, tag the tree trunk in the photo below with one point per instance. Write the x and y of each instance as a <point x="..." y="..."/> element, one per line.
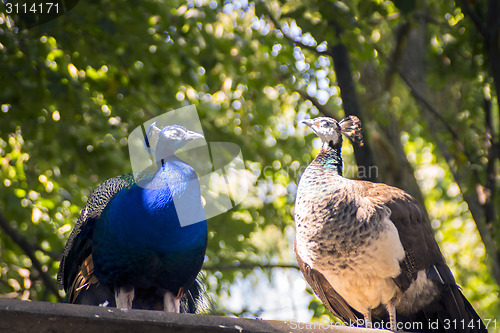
<point x="343" y="71"/>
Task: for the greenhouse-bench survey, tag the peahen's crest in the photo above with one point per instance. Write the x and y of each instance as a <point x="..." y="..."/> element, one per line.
<point x="351" y="127"/>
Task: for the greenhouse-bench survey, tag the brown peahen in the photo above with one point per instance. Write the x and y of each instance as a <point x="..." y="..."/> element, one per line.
<point x="367" y="249"/>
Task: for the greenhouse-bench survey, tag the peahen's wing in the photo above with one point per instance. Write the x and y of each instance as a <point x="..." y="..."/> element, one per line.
<point x="324" y="290"/>
<point x="76" y="263"/>
<point x="422" y="254"/>
<point x="415" y="233"/>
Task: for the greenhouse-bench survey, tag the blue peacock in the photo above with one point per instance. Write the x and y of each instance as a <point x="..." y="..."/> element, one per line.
<point x="128" y="248"/>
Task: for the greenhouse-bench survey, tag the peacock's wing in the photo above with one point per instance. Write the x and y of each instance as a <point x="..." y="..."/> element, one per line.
<point x="76" y="267"/>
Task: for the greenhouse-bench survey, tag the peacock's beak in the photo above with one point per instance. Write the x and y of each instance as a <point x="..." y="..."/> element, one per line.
<point x="193" y="136"/>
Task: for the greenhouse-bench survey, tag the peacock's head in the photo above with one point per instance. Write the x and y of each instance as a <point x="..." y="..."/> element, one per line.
<point x="330" y="131"/>
<point x="169" y="139"/>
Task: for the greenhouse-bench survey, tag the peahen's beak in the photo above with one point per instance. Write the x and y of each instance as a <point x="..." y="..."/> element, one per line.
<point x="311" y="124"/>
<point x="307" y="122"/>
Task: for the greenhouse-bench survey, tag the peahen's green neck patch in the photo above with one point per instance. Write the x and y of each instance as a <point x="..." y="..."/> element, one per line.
<point x="330" y="156"/>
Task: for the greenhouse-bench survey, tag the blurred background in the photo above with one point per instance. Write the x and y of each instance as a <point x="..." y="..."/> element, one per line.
<point x="424" y="78"/>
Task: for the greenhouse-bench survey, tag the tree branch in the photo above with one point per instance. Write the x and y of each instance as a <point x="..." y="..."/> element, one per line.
<point x="53" y="254"/>
<point x="321" y="108"/>
<point x="490" y="167"/>
<point x="473" y="201"/>
<point x="290" y="38"/>
<point x="492" y="45"/>
<point x="488" y="201"/>
<point x="394" y="61"/>
<point x="475" y="19"/>
<point x="246" y="265"/>
<point x="343" y="71"/>
<point x="29" y="250"/>
<point x="428" y="105"/>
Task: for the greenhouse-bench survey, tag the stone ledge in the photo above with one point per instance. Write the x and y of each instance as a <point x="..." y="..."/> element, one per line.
<point x="40" y="317"/>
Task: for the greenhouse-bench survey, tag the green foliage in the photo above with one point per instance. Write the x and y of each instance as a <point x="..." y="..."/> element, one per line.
<point x="72" y="89"/>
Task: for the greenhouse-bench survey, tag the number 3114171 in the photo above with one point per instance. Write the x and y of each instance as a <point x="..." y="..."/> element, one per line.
<point x="33" y="8"/>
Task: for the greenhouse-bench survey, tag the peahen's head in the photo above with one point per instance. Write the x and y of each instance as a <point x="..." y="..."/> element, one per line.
<point x="169" y="139"/>
<point x="330" y="131"/>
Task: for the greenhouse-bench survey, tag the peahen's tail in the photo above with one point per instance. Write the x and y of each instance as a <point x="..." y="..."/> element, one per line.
<point x="451" y="313"/>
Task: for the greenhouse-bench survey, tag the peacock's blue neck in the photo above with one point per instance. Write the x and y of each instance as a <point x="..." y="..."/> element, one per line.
<point x="172" y="175"/>
<point x="142" y="238"/>
<point x="148" y="215"/>
<point x="330" y="157"/>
